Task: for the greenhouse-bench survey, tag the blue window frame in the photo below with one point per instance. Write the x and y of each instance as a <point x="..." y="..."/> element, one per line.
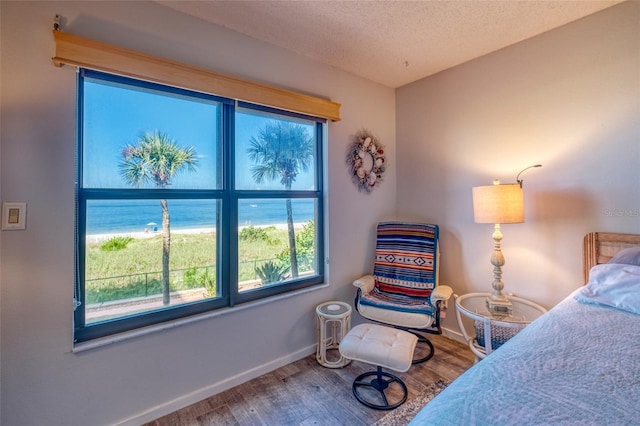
<point x="188" y="203"/>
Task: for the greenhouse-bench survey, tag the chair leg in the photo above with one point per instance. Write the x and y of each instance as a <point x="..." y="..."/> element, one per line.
<point x="379" y="384"/>
<point x="422" y="347"/>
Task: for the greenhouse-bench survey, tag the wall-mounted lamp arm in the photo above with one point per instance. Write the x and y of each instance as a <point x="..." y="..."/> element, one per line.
<point x="530" y="167"/>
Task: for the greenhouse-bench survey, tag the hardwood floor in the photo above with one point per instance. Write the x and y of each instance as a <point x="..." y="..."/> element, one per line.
<point x="305" y="393"/>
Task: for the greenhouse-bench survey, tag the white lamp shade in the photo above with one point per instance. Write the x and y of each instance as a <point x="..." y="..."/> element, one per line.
<point x="498" y="204"/>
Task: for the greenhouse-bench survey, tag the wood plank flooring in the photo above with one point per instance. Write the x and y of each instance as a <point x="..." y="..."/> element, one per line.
<point x="305" y="393"/>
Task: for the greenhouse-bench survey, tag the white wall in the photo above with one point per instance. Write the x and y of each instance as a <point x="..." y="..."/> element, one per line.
<point x="42" y="382"/>
<point x="568" y="99"/>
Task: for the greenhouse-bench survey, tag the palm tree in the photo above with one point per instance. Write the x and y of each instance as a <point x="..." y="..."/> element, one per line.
<point x="157" y="159"/>
<point x="281" y="150"/>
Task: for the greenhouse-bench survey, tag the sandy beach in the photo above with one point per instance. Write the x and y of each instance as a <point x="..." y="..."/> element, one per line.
<point x="96" y="238"/>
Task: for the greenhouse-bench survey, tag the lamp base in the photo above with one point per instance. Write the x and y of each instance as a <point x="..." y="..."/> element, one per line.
<point x="499" y="307"/>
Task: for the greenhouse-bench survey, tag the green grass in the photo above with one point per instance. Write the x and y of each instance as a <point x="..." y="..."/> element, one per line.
<point x="132" y="267"/>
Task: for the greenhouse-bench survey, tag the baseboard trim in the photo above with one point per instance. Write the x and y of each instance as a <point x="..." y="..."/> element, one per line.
<point x="215" y="388"/>
<point x="453" y="335"/>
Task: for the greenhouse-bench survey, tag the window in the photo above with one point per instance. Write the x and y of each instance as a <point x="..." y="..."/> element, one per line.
<point x="188" y="202"/>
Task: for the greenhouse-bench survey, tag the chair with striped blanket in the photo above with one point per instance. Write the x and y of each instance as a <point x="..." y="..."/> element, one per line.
<point x="403" y="291"/>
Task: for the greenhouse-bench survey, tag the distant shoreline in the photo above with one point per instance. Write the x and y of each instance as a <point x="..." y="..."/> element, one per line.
<point x="96" y="238"/>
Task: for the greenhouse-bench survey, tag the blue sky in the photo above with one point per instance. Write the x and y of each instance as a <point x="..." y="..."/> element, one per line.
<point x="115" y="116"/>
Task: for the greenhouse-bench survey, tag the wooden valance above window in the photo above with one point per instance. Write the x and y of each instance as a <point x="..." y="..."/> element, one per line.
<point x="81" y="52"/>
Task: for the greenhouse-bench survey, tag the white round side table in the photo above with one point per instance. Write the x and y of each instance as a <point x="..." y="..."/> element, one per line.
<point x="334" y="322"/>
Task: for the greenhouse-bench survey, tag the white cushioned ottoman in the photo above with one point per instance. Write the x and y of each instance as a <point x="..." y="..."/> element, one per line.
<point x="384" y="347"/>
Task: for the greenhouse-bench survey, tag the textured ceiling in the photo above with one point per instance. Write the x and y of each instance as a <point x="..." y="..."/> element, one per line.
<point x="391" y="42"/>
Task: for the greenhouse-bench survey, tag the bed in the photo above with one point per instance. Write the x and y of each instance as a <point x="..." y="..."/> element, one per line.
<point x="577" y="364"/>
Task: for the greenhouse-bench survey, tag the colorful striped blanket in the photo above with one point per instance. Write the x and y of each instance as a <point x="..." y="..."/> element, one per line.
<point x="405" y="268"/>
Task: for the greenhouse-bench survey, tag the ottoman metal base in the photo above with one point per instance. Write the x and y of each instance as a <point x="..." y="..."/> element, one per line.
<point x="379" y="384"/>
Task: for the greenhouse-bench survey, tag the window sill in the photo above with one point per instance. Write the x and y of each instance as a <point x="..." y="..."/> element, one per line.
<point x="117" y="338"/>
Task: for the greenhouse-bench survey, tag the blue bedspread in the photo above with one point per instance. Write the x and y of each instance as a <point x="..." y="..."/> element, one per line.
<point x="579" y="364"/>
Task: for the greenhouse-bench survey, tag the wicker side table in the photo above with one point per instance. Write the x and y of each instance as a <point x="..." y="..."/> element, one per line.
<point x="334" y="322"/>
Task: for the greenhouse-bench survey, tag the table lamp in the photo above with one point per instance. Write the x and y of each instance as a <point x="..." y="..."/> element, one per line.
<point x="498" y="204"/>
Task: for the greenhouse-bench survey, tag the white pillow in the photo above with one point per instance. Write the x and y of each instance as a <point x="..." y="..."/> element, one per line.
<point x="628" y="256"/>
<point x="613" y="285"/>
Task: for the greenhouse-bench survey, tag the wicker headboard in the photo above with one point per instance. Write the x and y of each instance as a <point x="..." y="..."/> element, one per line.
<point x="600" y="247"/>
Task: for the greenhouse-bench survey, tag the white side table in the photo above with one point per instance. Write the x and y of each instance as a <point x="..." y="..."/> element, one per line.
<point x="491" y="330"/>
<point x="334" y="322"/>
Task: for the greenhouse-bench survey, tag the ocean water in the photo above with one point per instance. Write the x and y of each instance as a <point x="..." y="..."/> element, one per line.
<point x="118" y="216"/>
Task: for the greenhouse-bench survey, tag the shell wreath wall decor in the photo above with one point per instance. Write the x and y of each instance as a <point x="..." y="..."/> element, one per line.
<point x="366" y="161"/>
